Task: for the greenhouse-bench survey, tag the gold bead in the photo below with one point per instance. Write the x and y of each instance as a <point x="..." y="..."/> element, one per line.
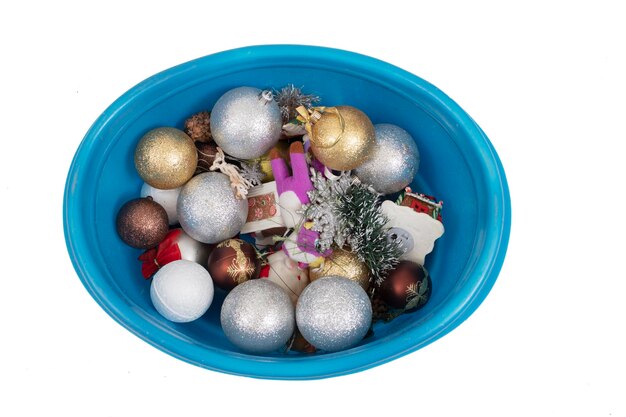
<point x="342" y="138"/>
<point x="345" y="264"/>
<point x="166" y="158"/>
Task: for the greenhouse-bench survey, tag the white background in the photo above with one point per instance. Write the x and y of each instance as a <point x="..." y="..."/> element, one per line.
<point x="544" y="80"/>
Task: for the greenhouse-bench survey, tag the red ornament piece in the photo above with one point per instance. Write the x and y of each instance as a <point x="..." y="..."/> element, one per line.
<point x="422" y="203"/>
<point x="167" y="251"/>
<point x="265" y="271"/>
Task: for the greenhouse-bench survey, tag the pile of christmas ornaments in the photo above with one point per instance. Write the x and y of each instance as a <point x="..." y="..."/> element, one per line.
<point x="287" y="207"/>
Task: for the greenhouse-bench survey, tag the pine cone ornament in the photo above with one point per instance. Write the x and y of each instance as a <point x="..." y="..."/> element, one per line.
<point x="198" y="127"/>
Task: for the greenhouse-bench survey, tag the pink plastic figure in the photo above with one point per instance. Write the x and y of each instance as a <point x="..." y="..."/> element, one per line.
<point x="292" y="189"/>
<point x="300" y="247"/>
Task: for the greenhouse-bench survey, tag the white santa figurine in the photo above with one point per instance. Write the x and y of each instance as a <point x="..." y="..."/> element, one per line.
<point x="284" y="271"/>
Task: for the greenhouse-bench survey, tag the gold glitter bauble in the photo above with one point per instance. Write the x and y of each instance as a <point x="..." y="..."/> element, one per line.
<point x="342" y="146"/>
<point x="166" y="158"/>
<point x="345" y="264"/>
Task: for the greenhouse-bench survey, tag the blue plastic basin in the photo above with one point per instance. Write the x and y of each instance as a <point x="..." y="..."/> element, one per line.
<point x="458" y="165"/>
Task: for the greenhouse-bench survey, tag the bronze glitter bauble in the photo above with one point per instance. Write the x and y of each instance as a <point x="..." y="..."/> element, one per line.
<point x="142" y="223"/>
<point x="407" y="287"/>
<point x="232" y="262"/>
<point x="166" y="158"/>
<point x="345" y="264"/>
<point x="342" y="139"/>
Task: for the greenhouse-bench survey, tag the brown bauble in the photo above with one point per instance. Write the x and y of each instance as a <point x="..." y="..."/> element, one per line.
<point x="206" y="156"/>
<point x="233" y="262"/>
<point x="142" y="223"/>
<point x="345" y="264"/>
<point x="407" y="287"/>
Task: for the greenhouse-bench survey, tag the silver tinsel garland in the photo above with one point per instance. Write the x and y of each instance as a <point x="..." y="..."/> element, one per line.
<point x="289" y="98"/>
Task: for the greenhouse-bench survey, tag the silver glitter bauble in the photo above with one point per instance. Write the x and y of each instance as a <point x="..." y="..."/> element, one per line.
<point x="246" y="122"/>
<point x="394" y="161"/>
<point x="258" y="316"/>
<point x="333" y="313"/>
<point x="208" y="210"/>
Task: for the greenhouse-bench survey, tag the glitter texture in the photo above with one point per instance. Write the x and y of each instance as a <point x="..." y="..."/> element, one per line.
<point x="142" y="223"/>
<point x="333" y="313"/>
<point x="166" y="158"/>
<point x="344" y="264"/>
<point x="394" y="160"/>
<point x="345" y="149"/>
<point x="246" y="122"/>
<point x="208" y="210"/>
<point x="258" y="316"/>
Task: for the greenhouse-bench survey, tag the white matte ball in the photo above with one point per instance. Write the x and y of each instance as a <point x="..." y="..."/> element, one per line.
<point x="192" y="250"/>
<point x="182" y="291"/>
<point x="166" y="198"/>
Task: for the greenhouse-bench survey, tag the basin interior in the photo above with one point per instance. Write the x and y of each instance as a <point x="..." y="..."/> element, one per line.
<point x="450" y="169"/>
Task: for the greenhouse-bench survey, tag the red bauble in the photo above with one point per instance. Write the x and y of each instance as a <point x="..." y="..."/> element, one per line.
<point x="407" y="287"/>
<point x="232" y="262"/>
